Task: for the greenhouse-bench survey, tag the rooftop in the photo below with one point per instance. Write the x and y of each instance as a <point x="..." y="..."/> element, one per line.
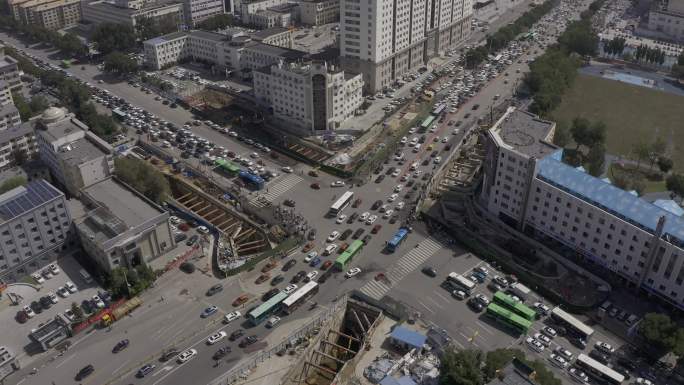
<point x="56" y="130"/>
<point x="408" y="336"/>
<point x="515" y="373"/>
<point x="167" y="37"/>
<point x="404" y="380"/>
<point x="80" y="151"/>
<point x="8" y="109"/>
<point x="263" y="34"/>
<point x="285" y="53"/>
<point x="208" y="35"/>
<point x="6" y="60"/>
<point x="128" y="207"/>
<point x="283" y="7"/>
<point x="618" y="202"/>
<point x="23" y="199"/>
<point x="525" y="132"/>
<point x="15" y="132"/>
<point x="5" y="355"/>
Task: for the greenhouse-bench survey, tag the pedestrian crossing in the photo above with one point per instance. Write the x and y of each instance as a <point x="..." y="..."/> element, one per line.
<point x="274" y="191"/>
<point x="405" y="265"/>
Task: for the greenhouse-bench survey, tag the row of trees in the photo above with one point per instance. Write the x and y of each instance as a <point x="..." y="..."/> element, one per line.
<point x="464" y="367"/>
<point x="615" y="46"/>
<point x="579" y="38"/>
<point x="143" y="177"/>
<point x="31" y="108"/>
<point x="678" y="69"/>
<point x="110" y="37"/>
<point x="120" y="63"/>
<point x="649" y="55"/>
<point x="69" y="44"/>
<point x="129" y="282"/>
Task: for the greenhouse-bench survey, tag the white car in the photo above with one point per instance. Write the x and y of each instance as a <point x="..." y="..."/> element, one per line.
<point x="549" y="331"/>
<point x="364" y="216"/>
<point x="63" y="292"/>
<point x="46" y="273"/>
<point x="565" y="353"/>
<point x="337" y="183"/>
<point x="310" y="256"/>
<point x="388" y="213"/>
<point x="311" y="276"/>
<point x="39" y="278"/>
<point x="458" y="294"/>
<point x="29" y="312"/>
<point x="232" y="316"/>
<point x="543" y="339"/>
<point x="287" y="169"/>
<point x="70" y="286"/>
<point x="482" y="298"/>
<point x="558" y="361"/>
<point x="330" y="249"/>
<point x="400" y="206"/>
<point x="186" y="355"/>
<point x="445" y="139"/>
<point x="334" y="235"/>
<point x="340" y="218"/>
<point x="393" y="197"/>
<point x="273" y="321"/>
<point x="216" y="337"/>
<point x="203" y="230"/>
<point x="534" y="344"/>
<point x="605" y="347"/>
<point x="352" y="272"/>
<point x="578" y="375"/>
<point x="98" y="302"/>
<point x="53" y="269"/>
<point x="174" y="220"/>
<point x="53" y="297"/>
<point x="398" y="188"/>
<point x="371" y="219"/>
<point x="290" y="288"/>
<point x="541" y="309"/>
<point x="396" y="173"/>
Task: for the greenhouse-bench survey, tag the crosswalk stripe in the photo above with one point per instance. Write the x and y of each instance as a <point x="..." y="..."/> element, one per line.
<point x="276" y="190"/>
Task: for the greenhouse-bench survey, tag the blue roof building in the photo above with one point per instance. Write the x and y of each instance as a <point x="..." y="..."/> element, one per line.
<point x="407" y="338"/>
<point x="405" y="380"/>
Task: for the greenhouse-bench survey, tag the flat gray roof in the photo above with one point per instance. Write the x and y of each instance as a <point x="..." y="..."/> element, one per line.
<point x="122" y="202"/>
<point x="526" y="132"/>
<point x="62" y="128"/>
<point x="209" y="35"/>
<point x="81" y="151"/>
<point x="263" y="34"/>
<point x="275" y="50"/>
<point x="15" y="132"/>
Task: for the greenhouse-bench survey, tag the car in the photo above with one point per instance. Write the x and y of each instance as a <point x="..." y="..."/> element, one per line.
<point x="316" y="261"/>
<point x="371" y="219"/>
<point x="289" y="289"/>
<point x="534" y="344"/>
<point x="549" y="331"/>
<point x="500" y="280"/>
<point x="357" y="203"/>
<point x="340" y="218"/>
<point x="482" y="270"/>
<point x="613" y="312"/>
<point x="599" y="356"/>
<point x="310" y="256"/>
<point x="541" y="309"/>
<point x="287" y="169"/>
<point x="627" y="364"/>
<point x="232" y="316"/>
<point x="558" y="361"/>
<point x="211" y="310"/>
<point x="376" y="228"/>
<point x="38" y="278"/>
<point x="145" y="370"/>
<point x="269" y="266"/>
<point x="543" y="339"/>
<point x="345" y="234"/>
<point x="475" y="305"/>
<point x="311" y="276"/>
<point x="52" y="297"/>
<point x="248" y="341"/>
<point x="458" y="294"/>
<point x="277" y="279"/>
<point x="358" y="233"/>
<point x="269" y="294"/>
<point x="29" y="312"/>
<point x="364" y="216"/>
<point x="262" y="278"/>
<point x="429" y="271"/>
<point x="298" y="277"/>
<point x="186" y="356"/>
<point x="333" y="236"/>
<point x="337" y="183"/>
<point x="288" y="265"/>
<point x="215" y="289"/>
<point x="578" y="342"/>
<point x="352" y="272"/>
<point x="192" y="240"/>
<point x="394" y="219"/>
<point x="565" y="353"/>
<point x="400" y="206"/>
<point x="578" y="375"/>
<point x="604" y="347"/>
<point x="240" y="300"/>
<point x="308" y="247"/>
<point x="46" y="273"/>
<point x="216" y="337"/>
<point x="393" y="197"/>
<point x="398" y="188"/>
<point x="315" y="186"/>
<point x="482" y="299"/>
<point x="203" y="230"/>
<point x="97" y="301"/>
<point x="85" y="372"/>
<point x="330" y="249"/>
<point x="236" y="334"/>
<point x="376" y="205"/>
<point x="273" y="321"/>
<point x="121" y="345"/>
<point x="289" y="203"/>
<point x="326" y="265"/>
<point x="63" y="292"/>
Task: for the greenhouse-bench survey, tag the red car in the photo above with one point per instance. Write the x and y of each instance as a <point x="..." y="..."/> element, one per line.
<point x="315" y="186"/>
<point x="357" y="203"/>
<point x="326" y="265"/>
<point x="376" y="228"/>
<point x="263" y="278"/>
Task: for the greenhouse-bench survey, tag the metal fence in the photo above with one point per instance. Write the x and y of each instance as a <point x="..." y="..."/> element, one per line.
<point x="242" y="371"/>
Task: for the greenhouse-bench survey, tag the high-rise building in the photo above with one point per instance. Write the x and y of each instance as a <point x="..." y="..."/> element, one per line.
<point x="50" y="14"/>
<point x="527" y="185"/>
<point x="385" y="39"/>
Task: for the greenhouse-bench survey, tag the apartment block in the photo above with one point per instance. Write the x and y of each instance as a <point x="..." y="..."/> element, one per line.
<point x="8" y="362"/>
<point x="385" y="39"/>
<point x="50" y="14"/>
<point x="76" y="157"/>
<point x="18" y="137"/>
<point x="9" y="116"/>
<point x="319" y="12"/>
<point x="667" y="20"/>
<point x="129" y="13"/>
<point x="9" y="73"/>
<point x="281" y="37"/>
<point x="249" y="7"/>
<point x="196" y="11"/>
<point x="34" y="221"/>
<point x="313" y="97"/>
<point x="527" y="185"/>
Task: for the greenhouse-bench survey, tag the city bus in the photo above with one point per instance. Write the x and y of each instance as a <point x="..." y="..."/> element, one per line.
<point x="572" y="324"/>
<point x="508" y="318"/>
<point x="267" y="308"/>
<point x="439" y="109"/>
<point x="396" y="240"/>
<point x="463" y="283"/>
<point x="341" y="204"/>
<point x="300" y="296"/>
<point x="227" y="166"/>
<point x="343" y="260"/>
<point x="506" y="301"/>
<point x="427" y="122"/>
<point x="254" y="181"/>
<point x="598" y="370"/>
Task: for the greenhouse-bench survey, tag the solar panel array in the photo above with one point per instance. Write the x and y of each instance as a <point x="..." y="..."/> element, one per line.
<point x="37" y="193"/>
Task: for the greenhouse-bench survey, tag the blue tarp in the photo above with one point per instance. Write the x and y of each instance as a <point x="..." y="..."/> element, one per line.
<point x="408" y="336"/>
<point x="406" y="380"/>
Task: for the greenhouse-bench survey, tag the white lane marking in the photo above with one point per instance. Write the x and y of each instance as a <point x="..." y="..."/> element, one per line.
<point x="435" y="302"/>
<point x="121" y="367"/>
<point x="64" y="361"/>
<point x="441" y="296"/>
<point x="427" y="308"/>
<point x="162" y="370"/>
<point x="484" y="327"/>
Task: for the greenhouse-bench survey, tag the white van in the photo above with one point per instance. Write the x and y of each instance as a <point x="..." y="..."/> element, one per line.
<point x="416" y="148"/>
<point x="86" y="277"/>
<point x="273" y="321"/>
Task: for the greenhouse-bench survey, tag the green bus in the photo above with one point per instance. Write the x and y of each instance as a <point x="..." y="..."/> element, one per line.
<point x="343" y="260"/>
<point x="227" y="166"/>
<point x="508" y="318"/>
<point x="427" y="122"/>
<point x="267" y="308"/>
<point x="506" y="301"/>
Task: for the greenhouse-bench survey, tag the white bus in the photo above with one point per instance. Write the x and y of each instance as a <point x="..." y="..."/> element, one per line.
<point x="341" y="204"/>
<point x="464" y="283"/>
<point x="574" y="326"/>
<point x="300" y="296"/>
<point x="598" y="370"/>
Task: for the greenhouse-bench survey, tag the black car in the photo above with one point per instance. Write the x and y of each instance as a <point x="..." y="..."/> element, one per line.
<point x="180" y="237"/>
<point x="410" y="183"/>
<point x="289" y="203"/>
<point x="433" y="154"/>
<point x="422" y="139"/>
<point x="192" y="240"/>
<point x="358" y="233"/>
<point x="390" y="170"/>
<point x="288" y="265"/>
<point x="215" y="289"/>
<point x="426" y="161"/>
<point x="346" y="234"/>
<point x="236" y="334"/>
<point x="366" y="239"/>
<point x="378" y="170"/>
<point x="379" y="179"/>
<point x="429" y="271"/>
<point x="376" y="205"/>
<point x="298" y="277"/>
<point x="221" y="353"/>
<point x="85" y="372"/>
<point x="458" y="123"/>
<point x="86" y="306"/>
<point x="475" y="107"/>
<point x="248" y="341"/>
<point x="277" y="279"/>
<point x="45" y="302"/>
<point x="269" y="294"/>
<point x="475" y="305"/>
<point x="447" y="147"/>
<point x="145" y="370"/>
<point x="466" y="116"/>
<point x="600" y="357"/>
<point x="393" y="220"/>
<point x="352" y="218"/>
<point x="121" y="345"/>
<point x="36" y="307"/>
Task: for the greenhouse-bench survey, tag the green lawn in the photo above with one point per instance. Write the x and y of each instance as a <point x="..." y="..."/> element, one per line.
<point x="632" y="113"/>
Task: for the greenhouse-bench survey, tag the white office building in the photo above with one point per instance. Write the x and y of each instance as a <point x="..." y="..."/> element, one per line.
<point x="385" y="39"/>
<point x="311" y="97"/>
<point x="196" y="11"/>
<point x="527" y="185"/>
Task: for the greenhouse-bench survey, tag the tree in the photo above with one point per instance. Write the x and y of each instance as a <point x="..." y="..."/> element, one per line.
<point x="71" y="45"/>
<point x="78" y="312"/>
<point x="110" y="37"/>
<point x="120" y="63"/>
<point x="579" y="37"/>
<point x="38" y="104"/>
<point x="12" y="183"/>
<point x="659" y="330"/>
<point x="658" y="149"/>
<point x="497" y="359"/>
<point x="142" y="177"/>
<point x="461" y="368"/>
<point x="620" y="180"/>
<point x="561" y="137"/>
<point x="665" y="164"/>
<point x="147" y="27"/>
<point x="581" y="132"/>
<point x="641" y="150"/>
<point x="675" y="183"/>
<point x="596" y="159"/>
